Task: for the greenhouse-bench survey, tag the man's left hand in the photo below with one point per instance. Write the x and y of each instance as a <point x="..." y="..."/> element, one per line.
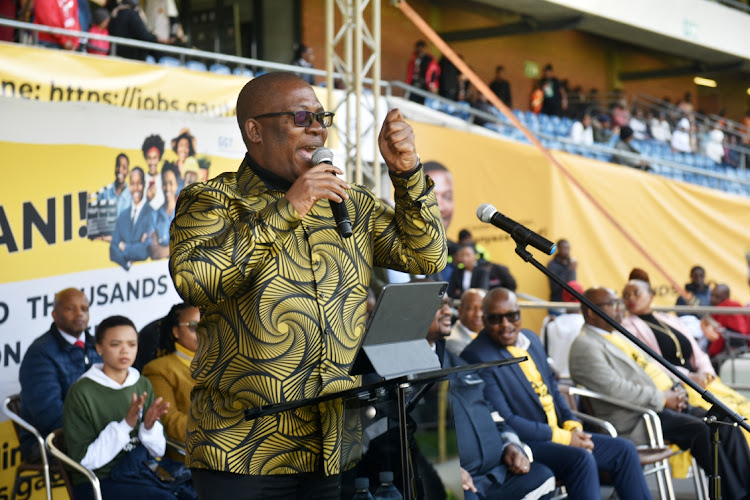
<point x="396" y="141"/>
<point x="516" y="461"/>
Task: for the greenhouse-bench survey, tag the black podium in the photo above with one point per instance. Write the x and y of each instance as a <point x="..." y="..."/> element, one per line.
<point x="392" y="427"/>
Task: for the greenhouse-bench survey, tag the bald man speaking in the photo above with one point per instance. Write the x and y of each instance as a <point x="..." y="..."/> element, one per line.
<point x="282" y="295"/>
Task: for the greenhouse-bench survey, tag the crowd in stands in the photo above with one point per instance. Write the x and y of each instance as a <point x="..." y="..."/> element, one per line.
<point x="158" y="21"/>
<point x="675" y="132"/>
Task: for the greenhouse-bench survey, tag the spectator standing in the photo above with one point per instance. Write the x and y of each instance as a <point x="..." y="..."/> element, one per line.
<point x="100" y="26"/>
<point x="51" y="364"/>
<point x="423" y="71"/>
<point x="467" y="274"/>
<point x="537" y="99"/>
<point x="746" y="124"/>
<point x="638" y="124"/>
<point x="554" y="94"/>
<point x="8" y="11"/>
<point x="686" y="104"/>
<point x="453" y="84"/>
<point x="304" y="57"/>
<point x="715" y="146"/>
<point x="163" y="19"/>
<point x="582" y="132"/>
<point x="681" y="137"/>
<point x="57" y="14"/>
<point x="564" y="267"/>
<point x="501" y="87"/>
<point x="126" y="22"/>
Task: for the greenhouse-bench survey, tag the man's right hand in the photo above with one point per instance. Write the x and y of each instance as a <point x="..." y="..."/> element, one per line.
<point x="320" y="182"/>
<point x="581" y="439"/>
<point x="674" y="399"/>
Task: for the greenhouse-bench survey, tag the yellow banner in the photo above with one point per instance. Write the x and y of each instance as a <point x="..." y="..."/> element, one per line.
<point x="43" y="217"/>
<point x="53" y="75"/>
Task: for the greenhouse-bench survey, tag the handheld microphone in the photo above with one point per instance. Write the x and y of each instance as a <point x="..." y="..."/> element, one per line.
<point x="340" y="214"/>
<point x="521" y="235"/>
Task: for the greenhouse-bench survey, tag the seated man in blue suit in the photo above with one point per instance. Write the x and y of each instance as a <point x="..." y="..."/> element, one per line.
<point x="493" y="464"/>
<point x="527" y="397"/>
<point x="130" y="240"/>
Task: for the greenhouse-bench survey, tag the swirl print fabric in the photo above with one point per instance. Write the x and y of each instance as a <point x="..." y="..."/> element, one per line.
<point x="282" y="303"/>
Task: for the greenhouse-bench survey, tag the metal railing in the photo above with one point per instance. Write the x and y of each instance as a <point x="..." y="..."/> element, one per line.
<point x="696" y="310"/>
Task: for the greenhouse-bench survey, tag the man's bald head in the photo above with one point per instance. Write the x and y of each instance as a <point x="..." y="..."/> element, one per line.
<point x="470" y="310"/>
<point x="498" y="295"/>
<point x="719" y="294"/>
<point x="258" y="96"/>
<point x="71" y="311"/>
<point x="606" y="300"/>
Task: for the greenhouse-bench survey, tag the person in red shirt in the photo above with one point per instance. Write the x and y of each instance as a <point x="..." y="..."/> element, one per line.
<point x="734" y="322"/>
<point x="57" y="14"/>
<point x="423" y="71"/>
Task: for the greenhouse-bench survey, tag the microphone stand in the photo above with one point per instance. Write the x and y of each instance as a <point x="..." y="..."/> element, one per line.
<point x="718" y="415"/>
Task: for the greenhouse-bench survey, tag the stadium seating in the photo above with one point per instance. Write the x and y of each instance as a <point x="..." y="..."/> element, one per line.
<point x="220" y="69"/>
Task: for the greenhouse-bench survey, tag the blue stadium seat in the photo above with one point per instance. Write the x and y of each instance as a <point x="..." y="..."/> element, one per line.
<point x="462" y="110"/>
<point x="150" y="59"/>
<point x="432" y="104"/>
<point x="562" y="129"/>
<point x="242" y="71"/>
<point x="494" y="127"/>
<point x="220" y="69"/>
<point x="196" y="66"/>
<point x="169" y="61"/>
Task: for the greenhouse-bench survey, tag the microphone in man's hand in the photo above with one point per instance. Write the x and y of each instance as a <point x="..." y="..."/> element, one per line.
<point x="521" y="234"/>
<point x="340" y="214"/>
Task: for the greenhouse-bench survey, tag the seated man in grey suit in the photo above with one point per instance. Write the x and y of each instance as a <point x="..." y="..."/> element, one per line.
<point x="493" y="463"/>
<point x="469" y="321"/>
<point x="604" y="361"/>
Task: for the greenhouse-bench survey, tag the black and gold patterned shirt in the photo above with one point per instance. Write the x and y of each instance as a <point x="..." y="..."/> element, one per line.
<point x="282" y="303"/>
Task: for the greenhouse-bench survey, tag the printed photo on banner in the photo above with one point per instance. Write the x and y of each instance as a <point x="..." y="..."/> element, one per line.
<point x="134" y="211"/>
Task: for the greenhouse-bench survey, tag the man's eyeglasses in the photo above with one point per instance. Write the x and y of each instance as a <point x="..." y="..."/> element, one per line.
<point x="192" y="325"/>
<point x="304" y="118"/>
<point x="497" y="319"/>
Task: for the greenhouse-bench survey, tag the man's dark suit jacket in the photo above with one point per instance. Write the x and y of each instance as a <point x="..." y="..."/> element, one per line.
<point x="509" y="391"/>
<point x="480" y="278"/>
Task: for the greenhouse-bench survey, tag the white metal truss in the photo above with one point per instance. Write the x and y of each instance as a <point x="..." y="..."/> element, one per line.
<point x="345" y="47"/>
